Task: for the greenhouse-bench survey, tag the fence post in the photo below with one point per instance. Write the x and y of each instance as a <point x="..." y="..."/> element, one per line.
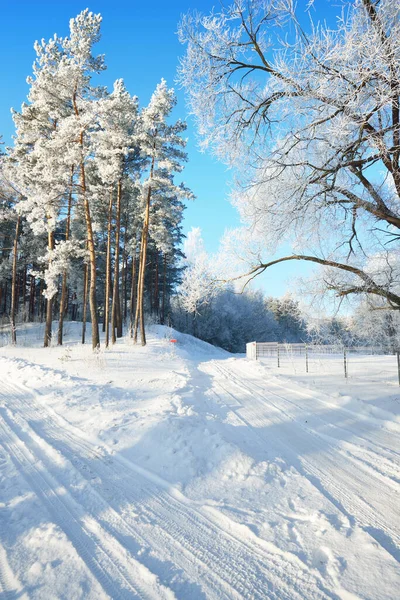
<point x="256" y="351"/>
<point x="306" y="358"/>
<point x="345" y="362"/>
<point x="398" y="364"/>
<point x="277" y="354"/>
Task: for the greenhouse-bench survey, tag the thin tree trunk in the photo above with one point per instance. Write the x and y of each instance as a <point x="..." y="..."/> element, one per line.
<point x="66" y="302"/>
<point x="156" y="289"/>
<point x="143" y="258"/>
<point x="49" y="307"/>
<point x="137" y="312"/>
<point x="151" y="290"/>
<point x="4" y="254"/>
<point x="62" y="308"/>
<point x="132" y="298"/>
<point x="64" y="275"/>
<point x="93" y="275"/>
<point x="164" y="290"/>
<point x="85" y="295"/>
<point x="18" y="286"/>
<point x="14" y="283"/>
<point x="145" y="241"/>
<point x="42" y="301"/>
<point x="105" y="242"/>
<point x="5" y="298"/>
<point x="115" y="298"/>
<point x="32" y="299"/>
<point x="126" y="288"/>
<point x="108" y="273"/>
<point x="24" y="293"/>
<point x="119" y="315"/>
<point x="74" y="308"/>
<point x="124" y="300"/>
<point x="90" y="242"/>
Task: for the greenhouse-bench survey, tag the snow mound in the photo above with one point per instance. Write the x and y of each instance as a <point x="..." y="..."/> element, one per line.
<point x="189" y="344"/>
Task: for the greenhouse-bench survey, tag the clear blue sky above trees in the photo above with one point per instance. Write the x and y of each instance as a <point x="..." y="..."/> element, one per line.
<point x="140" y="43"/>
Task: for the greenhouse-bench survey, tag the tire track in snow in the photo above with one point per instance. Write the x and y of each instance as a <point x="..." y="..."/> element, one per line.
<point x="347" y="492"/>
<point x="244" y="568"/>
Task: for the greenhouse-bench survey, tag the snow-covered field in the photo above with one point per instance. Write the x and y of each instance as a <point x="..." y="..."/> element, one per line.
<point x="181" y="471"/>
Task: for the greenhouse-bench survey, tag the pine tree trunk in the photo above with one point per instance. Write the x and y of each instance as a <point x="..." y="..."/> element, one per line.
<point x="49" y="307"/>
<point x="93" y="275"/>
<point x="105" y="243"/>
<point x="143" y="273"/>
<point x="90" y="241"/>
<point x="142" y="269"/>
<point x="132" y="298"/>
<point x="108" y="273"/>
<point x="140" y="285"/>
<point x="124" y="300"/>
<point x="74" y="309"/>
<point x="5" y="298"/>
<point x="62" y="308"/>
<point x="115" y="298"/>
<point x="85" y="295"/>
<point x="18" y="286"/>
<point x="156" y="289"/>
<point x="24" y="293"/>
<point x="64" y="275"/>
<point x="151" y="284"/>
<point x="164" y="290"/>
<point x="126" y="288"/>
<point x="14" y="283"/>
<point x="137" y="312"/>
<point x="49" y="321"/>
<point x="119" y="315"/>
<point x="32" y="299"/>
<point x="41" y="301"/>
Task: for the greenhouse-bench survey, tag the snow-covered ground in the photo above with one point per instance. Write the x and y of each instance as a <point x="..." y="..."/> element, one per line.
<point x="181" y="471"/>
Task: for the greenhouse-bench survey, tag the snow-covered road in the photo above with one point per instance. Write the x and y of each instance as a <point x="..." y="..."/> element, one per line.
<point x="338" y="452"/>
<point x="189" y="474"/>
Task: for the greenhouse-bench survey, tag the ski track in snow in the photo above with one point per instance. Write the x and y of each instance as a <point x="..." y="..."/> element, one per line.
<point x="104" y="518"/>
<point x="139" y="536"/>
<point x="372" y="506"/>
<point x="118" y="573"/>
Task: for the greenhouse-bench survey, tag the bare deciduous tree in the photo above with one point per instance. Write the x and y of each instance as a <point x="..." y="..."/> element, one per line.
<point x="314" y="118"/>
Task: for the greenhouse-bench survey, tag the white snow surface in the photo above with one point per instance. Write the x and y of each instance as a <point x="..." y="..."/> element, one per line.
<point x="182" y="471"/>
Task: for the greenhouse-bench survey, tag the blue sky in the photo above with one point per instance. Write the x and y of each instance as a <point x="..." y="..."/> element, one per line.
<point x="140" y="43"/>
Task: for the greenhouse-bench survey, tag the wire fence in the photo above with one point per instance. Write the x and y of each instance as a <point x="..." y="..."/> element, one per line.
<point x="332" y="359"/>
